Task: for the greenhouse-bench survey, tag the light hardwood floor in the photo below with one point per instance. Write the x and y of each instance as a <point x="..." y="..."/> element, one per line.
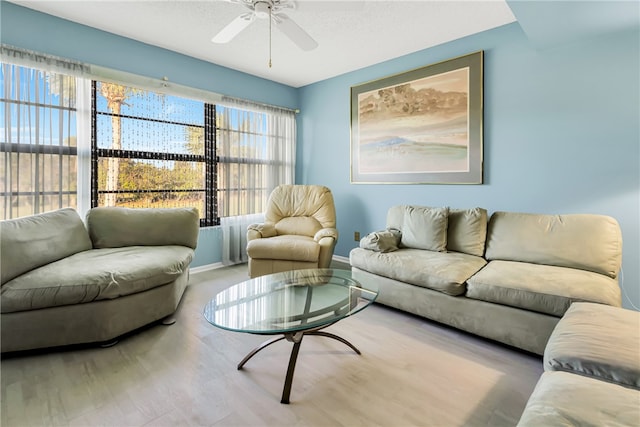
<point x="412" y="372"/>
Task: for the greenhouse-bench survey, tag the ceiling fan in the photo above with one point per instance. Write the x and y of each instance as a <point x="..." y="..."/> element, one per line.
<point x="267" y="9"/>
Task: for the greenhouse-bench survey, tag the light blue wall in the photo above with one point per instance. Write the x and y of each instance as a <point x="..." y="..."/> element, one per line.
<point x="28" y="29"/>
<point x="561" y="135"/>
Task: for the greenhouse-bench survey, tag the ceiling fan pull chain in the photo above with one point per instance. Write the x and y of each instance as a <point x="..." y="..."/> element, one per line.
<point x="269" y="36"/>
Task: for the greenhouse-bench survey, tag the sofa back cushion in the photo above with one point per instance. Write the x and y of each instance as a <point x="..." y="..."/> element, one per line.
<point x="467" y="231"/>
<point x="584" y="241"/>
<point x="113" y="227"/>
<point x="422" y="227"/>
<point x="33" y="241"/>
<point x="395" y="217"/>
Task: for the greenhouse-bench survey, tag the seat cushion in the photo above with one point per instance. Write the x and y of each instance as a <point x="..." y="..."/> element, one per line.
<point x="542" y="288"/>
<point x="291" y="247"/>
<point x="597" y="341"/>
<point x="564" y="399"/>
<point x="93" y="275"/>
<point x="440" y="271"/>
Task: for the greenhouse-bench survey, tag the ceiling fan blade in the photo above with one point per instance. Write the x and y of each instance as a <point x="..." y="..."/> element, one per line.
<point x="234" y="28"/>
<point x="294" y="32"/>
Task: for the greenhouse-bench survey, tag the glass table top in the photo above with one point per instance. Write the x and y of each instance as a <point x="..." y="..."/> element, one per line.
<point x="287" y="302"/>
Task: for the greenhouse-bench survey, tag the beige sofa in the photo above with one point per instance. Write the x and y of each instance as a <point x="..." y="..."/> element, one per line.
<point x="592" y="370"/>
<point x="63" y="283"/>
<point x="509" y="278"/>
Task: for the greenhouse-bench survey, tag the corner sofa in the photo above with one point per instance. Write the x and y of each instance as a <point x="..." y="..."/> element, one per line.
<point x="510" y="277"/>
<point x="63" y="283"/>
<point x="591" y="370"/>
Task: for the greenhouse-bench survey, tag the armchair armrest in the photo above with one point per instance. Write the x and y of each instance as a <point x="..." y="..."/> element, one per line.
<point x="326" y="238"/>
<point x="326" y="232"/>
<point x="261" y="230"/>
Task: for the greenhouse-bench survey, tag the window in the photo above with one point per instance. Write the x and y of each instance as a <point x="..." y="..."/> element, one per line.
<point x="143" y="149"/>
<point x="38" y="147"/>
<point x="254" y="156"/>
<point x="155" y="150"/>
<point x="152" y="150"/>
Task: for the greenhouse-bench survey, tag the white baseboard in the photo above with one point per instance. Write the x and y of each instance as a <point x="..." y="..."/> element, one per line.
<point x="340" y="258"/>
<point x="206" y="267"/>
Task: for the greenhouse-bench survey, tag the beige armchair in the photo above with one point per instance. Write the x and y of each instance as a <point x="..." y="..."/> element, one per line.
<point x="299" y="231"/>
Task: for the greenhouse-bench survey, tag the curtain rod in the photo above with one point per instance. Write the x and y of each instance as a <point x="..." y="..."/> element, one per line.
<point x="31" y="58"/>
<point x="261" y="104"/>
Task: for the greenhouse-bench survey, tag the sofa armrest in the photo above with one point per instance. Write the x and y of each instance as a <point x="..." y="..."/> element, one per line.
<point x="113" y="227"/>
<point x="261" y="230"/>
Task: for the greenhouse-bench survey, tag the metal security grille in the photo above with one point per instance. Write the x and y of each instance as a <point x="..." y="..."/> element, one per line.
<point x="38" y="146"/>
<point x="152" y="150"/>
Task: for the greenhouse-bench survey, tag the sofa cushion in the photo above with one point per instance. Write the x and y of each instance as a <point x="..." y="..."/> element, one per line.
<point x="33" y="241"/>
<point x="542" y="288"/>
<point x="111" y="227"/>
<point x="440" y="271"/>
<point x="564" y="399"/>
<point x="289" y="247"/>
<point x="560" y="240"/>
<point x="395" y="216"/>
<point x="93" y="275"/>
<point x="425" y="228"/>
<point x="597" y="341"/>
<point x="467" y="231"/>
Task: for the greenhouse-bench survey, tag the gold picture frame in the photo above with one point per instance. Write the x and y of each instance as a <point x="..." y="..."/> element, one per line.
<point x="422" y="126"/>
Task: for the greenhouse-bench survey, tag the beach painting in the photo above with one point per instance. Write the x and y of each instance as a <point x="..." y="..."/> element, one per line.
<point x="424" y="126"/>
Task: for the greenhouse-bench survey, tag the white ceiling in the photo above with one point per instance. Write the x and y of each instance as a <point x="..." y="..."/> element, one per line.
<point x="351" y="34"/>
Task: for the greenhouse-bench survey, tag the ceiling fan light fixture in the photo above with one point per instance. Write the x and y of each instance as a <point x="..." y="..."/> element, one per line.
<point x="262" y="9"/>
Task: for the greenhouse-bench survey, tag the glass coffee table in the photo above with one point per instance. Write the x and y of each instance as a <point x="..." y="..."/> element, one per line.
<point x="291" y="305"/>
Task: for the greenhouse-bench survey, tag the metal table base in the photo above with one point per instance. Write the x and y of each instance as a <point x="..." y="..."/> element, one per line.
<point x="296" y="339"/>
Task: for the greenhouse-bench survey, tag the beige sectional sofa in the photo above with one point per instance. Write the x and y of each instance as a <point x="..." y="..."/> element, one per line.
<point x="592" y="370"/>
<point x="509" y="278"/>
<point x="66" y="283"/>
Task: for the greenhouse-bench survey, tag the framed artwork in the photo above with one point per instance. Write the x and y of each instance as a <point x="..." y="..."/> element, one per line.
<point x="422" y="126"/>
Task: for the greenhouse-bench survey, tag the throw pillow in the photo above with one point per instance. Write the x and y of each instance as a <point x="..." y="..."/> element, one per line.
<point x="381" y="241"/>
<point x="425" y="228"/>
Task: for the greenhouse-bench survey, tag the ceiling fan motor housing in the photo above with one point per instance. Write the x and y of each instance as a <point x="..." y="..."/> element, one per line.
<point x="262" y="9"/>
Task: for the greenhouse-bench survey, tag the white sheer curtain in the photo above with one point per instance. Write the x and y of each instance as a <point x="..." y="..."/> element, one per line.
<point x="234" y="237"/>
<point x="46" y="146"/>
<point x="83" y="126"/>
<point x="256" y="147"/>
